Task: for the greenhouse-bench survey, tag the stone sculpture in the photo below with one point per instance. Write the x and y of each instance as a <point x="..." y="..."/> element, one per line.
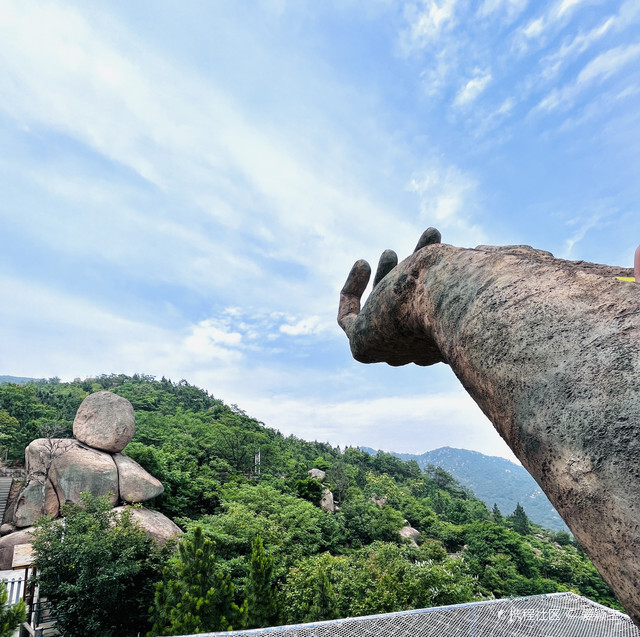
<point x="60" y="469"/>
<point x="550" y="351"/>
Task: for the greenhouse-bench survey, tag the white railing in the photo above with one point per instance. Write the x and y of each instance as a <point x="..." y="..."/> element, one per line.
<point x="15" y="588"/>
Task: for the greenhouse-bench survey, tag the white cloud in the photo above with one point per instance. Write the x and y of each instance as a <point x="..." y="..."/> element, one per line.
<point x="303" y="327"/>
<point x="569" y="50"/>
<point x="418" y="422"/>
<point x="63" y="71"/>
<point x="565" y="6"/>
<point x="447" y="199"/>
<point x="472" y="89"/>
<point x="212" y="339"/>
<point x="597" y="70"/>
<point x="427" y="20"/>
<point x="511" y="8"/>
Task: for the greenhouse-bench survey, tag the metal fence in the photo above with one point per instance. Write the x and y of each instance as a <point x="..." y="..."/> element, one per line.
<point x="553" y="615"/>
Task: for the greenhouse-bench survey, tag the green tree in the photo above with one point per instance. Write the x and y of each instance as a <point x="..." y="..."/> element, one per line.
<point x="262" y="607"/>
<point x="520" y="521"/>
<point x="325" y="601"/>
<point x="195" y="595"/>
<point x="10" y="616"/>
<point x="96" y="569"/>
<point x="496" y="514"/>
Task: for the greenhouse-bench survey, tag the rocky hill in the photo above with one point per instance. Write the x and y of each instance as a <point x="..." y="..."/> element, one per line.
<point x="494" y="480"/>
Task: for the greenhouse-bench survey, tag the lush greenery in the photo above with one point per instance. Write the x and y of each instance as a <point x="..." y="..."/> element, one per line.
<point x="11" y="616"/>
<point x="97" y="570"/>
<point x="262" y="549"/>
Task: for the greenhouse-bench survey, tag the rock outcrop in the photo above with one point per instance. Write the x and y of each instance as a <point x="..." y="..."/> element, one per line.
<point x="59" y="470"/>
<point x="105" y="421"/>
<point x="550" y="351"/>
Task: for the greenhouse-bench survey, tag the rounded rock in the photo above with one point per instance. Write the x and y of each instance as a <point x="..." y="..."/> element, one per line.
<point x="105" y="421"/>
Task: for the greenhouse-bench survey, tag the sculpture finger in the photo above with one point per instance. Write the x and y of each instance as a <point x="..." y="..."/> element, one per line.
<point x="429" y="236"/>
<point x="388" y="261"/>
<point x="351" y="294"/>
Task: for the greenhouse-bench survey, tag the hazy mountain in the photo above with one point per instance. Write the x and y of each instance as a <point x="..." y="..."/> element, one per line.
<point x="494" y="480"/>
<point x="18" y="380"/>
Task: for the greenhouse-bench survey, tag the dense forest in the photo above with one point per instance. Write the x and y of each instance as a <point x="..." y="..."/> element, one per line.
<point x="256" y="537"/>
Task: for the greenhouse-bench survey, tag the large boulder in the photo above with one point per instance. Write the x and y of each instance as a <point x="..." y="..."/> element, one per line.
<point x="317" y="474"/>
<point x="407" y="532"/>
<point x="135" y="484"/>
<point x="156" y="525"/>
<point x="8" y="542"/>
<point x="42" y="452"/>
<point x="326" y="503"/>
<point x="82" y="468"/>
<point x="35" y="500"/>
<point x="105" y="421"/>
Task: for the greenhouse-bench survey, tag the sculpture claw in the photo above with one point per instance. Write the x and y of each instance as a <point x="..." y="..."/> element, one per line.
<point x="351" y="294"/>
<point x="388" y="261"/>
<point x="429" y="236"/>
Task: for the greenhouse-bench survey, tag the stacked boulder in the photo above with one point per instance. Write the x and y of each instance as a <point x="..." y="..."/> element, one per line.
<point x="60" y="469"/>
<point x="326" y="503"/>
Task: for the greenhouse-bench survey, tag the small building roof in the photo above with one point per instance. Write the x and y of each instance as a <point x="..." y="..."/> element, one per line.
<point x="551" y="615"/>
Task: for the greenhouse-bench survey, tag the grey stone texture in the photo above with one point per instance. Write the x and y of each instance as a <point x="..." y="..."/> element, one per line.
<point x="326" y="503"/>
<point x="59" y="470"/>
<point x="35" y="500"/>
<point x="7" y="542"/>
<point x="135" y="484"/>
<point x="153" y="523"/>
<point x="318" y="474"/>
<point x="550" y="351"/>
<point x="82" y="468"/>
<point x="105" y="421"/>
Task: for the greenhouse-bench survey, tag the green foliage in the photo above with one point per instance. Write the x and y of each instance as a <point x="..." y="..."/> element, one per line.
<point x="520" y="521"/>
<point x="96" y="570"/>
<point x="262" y="605"/>
<point x="267" y="526"/>
<point x="195" y="595"/>
<point x="378" y="579"/>
<point x="309" y="489"/>
<point x="10" y="616"/>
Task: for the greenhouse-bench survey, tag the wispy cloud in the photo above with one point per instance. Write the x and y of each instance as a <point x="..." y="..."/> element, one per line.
<point x="366" y="422"/>
<point x="472" y="89"/>
<point x="596" y="71"/>
<point x="447" y="200"/>
<point x="427" y="19"/>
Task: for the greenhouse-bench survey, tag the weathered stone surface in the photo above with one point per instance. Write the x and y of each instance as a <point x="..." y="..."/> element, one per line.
<point x="326" y="503"/>
<point x="318" y="474"/>
<point x="155" y="525"/>
<point x="40" y="454"/>
<point x="379" y="501"/>
<point x="409" y="533"/>
<point x="24" y="536"/>
<point x="7" y="528"/>
<point x="82" y="468"/>
<point x="136" y="484"/>
<point x="34" y="501"/>
<point x="550" y="351"/>
<point x="105" y="421"/>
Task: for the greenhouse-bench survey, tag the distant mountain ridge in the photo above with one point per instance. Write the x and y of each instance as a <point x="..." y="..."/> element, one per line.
<point x="493" y="479"/>
<point x="17" y="380"/>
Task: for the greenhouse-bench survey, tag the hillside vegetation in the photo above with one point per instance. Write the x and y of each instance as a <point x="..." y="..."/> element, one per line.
<point x="494" y="480"/>
<point x="242" y="493"/>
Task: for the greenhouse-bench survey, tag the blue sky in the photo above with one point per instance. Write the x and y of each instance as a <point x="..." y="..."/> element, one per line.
<point x="185" y="185"/>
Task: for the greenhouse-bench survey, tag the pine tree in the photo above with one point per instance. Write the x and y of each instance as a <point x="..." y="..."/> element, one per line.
<point x="497" y="515"/>
<point x="520" y="521"/>
<point x="261" y="594"/>
<point x="325" y="602"/>
<point x="197" y="596"/>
